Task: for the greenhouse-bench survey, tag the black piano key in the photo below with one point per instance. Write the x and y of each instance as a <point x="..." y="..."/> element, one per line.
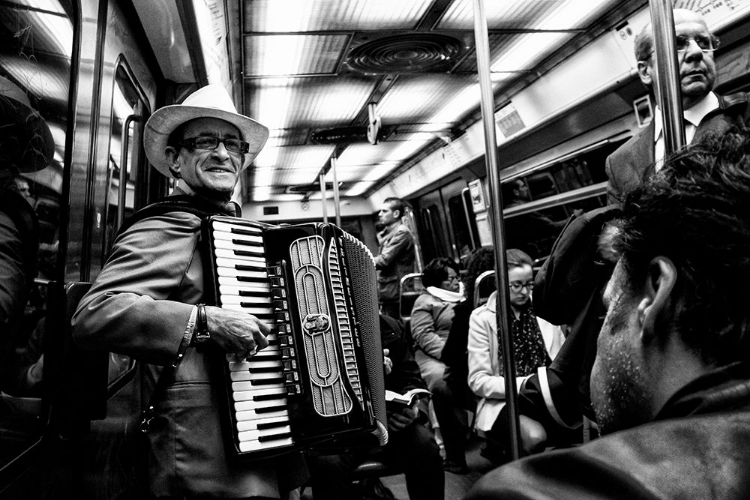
<point x="274" y="437"/>
<point x="267" y="381"/>
<point x="248" y="253"/>
<point x="270" y="409"/>
<point x="269" y="397"/>
<point x="245" y="232"/>
<point x="247" y="243"/>
<point x="248" y="267"/>
<point x="272" y="425"/>
<point x="261" y="369"/>
<point x="248" y="293"/>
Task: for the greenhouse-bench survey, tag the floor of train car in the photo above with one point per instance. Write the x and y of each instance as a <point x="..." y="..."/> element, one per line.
<point x="456" y="485"/>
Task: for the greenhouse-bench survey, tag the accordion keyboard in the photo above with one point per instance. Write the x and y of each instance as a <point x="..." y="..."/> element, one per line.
<point x="259" y="385"/>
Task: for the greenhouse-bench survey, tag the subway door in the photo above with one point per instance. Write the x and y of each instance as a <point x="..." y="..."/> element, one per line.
<point x="114" y="177"/>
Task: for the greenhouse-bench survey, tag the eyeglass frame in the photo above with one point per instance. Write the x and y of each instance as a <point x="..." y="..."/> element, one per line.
<point x="517" y="286"/>
<point x="190" y="142"/>
<point x="455" y="277"/>
<point x="713" y="40"/>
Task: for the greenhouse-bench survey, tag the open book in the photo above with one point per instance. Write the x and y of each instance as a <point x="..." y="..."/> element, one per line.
<point x="408" y="398"/>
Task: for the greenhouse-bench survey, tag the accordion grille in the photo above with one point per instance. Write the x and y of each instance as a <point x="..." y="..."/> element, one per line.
<point x="365" y="295"/>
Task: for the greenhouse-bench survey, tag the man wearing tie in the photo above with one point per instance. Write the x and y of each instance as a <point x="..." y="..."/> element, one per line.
<point x="704" y="111"/>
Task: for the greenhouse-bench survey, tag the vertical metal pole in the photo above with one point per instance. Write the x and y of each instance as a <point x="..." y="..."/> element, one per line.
<point x="667" y="84"/>
<point x="323" y="199"/>
<point x="336" y="205"/>
<point x="498" y="228"/>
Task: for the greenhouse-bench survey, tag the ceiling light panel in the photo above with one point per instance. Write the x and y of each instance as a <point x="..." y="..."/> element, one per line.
<point x="288" y="55"/>
<point x="295" y="157"/>
<point x="522" y="14"/>
<point x="359" y="188"/>
<point x="512" y="14"/>
<point x="308" y="102"/>
<point x="418" y="98"/>
<point x="319" y="15"/>
<point x="517" y="53"/>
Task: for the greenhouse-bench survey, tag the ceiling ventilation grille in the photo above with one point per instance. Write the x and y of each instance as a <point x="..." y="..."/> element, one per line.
<point x="407" y="53"/>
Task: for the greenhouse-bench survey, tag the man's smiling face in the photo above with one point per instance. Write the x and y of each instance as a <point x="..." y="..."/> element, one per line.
<point x="210" y="173"/>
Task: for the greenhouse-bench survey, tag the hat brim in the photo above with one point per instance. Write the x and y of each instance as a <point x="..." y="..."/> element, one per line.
<point x="165" y="120"/>
<point x="37" y="147"/>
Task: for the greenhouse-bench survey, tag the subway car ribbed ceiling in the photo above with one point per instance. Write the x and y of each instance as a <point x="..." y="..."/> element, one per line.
<point x="311" y="67"/>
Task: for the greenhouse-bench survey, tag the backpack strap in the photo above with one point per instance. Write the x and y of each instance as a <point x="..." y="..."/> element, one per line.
<point x="179" y="203"/>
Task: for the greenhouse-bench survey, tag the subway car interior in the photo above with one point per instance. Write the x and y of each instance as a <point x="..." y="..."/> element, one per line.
<point x="364" y="99"/>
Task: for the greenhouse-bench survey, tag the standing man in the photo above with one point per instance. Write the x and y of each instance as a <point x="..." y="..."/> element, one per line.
<point x="26" y="145"/>
<point x="148" y="303"/>
<point x="704" y="111"/>
<point x="671" y="380"/>
<point x="396" y="255"/>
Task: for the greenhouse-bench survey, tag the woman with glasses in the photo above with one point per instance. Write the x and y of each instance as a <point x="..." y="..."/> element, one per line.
<point x="432" y="315"/>
<point x="535" y="343"/>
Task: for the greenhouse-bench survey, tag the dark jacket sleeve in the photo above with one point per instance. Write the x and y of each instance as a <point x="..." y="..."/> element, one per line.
<point x="405" y="373"/>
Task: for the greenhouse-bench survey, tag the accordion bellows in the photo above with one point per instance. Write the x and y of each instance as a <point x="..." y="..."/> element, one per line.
<point x="321" y="378"/>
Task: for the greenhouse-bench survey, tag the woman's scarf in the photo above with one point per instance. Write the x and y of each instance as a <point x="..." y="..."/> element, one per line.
<point x="529" y="351"/>
<point x="445" y="295"/>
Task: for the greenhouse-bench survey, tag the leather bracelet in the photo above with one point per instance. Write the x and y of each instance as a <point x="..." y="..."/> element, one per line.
<point x="201" y="333"/>
<point x="187" y="338"/>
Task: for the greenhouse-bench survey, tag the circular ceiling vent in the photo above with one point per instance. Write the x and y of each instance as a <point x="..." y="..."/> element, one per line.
<point x="406" y="53"/>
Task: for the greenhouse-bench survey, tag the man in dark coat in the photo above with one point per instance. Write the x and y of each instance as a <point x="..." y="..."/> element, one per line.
<point x="670" y="384"/>
<point x="410" y="447"/>
<point x="704" y="111"/>
<point x="395" y="257"/>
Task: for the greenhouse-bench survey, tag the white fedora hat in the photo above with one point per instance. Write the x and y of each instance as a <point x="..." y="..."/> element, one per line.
<point x="211" y="101"/>
<point x="36" y="146"/>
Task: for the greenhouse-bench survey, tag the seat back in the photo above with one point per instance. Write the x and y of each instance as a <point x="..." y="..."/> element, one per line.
<point x="409" y="289"/>
<point x="484" y="285"/>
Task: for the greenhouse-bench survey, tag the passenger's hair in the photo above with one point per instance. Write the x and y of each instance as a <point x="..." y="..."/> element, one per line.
<point x="176" y="137"/>
<point x="396" y="204"/>
<point x="480" y="260"/>
<point x="436" y="271"/>
<point x="517" y="258"/>
<point x="696" y="212"/>
<point x="643" y="44"/>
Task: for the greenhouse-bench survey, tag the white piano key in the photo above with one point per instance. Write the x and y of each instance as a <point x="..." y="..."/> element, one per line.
<point x="230" y="271"/>
<point x="248" y="287"/>
<point x="231" y="263"/>
<point x="250" y="405"/>
<point x="245" y="375"/>
<point x="255" y="434"/>
<point x="229" y="236"/>
<point x="251" y="415"/>
<point x="230" y="245"/>
<point x="255" y="361"/>
<point x="265" y="445"/>
<point x="249" y="425"/>
<point x="230" y="254"/>
<point x="261" y="286"/>
<point x="259" y="391"/>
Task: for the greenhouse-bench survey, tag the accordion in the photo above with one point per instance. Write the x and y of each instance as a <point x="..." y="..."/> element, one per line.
<point x="321" y="378"/>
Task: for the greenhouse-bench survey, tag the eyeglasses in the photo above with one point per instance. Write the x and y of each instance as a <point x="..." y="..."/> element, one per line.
<point x="682" y="42"/>
<point x="211" y="143"/>
<point x="705" y="43"/>
<point x="516" y="286"/>
<point x="453" y="278"/>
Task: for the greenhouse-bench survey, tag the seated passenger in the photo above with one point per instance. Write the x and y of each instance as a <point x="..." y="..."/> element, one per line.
<point x="410" y="447"/>
<point x="670" y="384"/>
<point x="535" y="343"/>
<point x="451" y="396"/>
<point x="432" y="316"/>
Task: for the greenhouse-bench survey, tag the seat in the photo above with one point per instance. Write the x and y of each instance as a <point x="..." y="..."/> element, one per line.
<point x="484" y="285"/>
<point x="410" y="288"/>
